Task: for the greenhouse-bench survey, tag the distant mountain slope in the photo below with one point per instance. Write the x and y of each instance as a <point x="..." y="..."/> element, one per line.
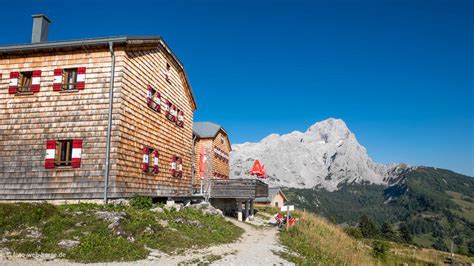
<point x="436" y="204"/>
<point x="326" y="155"/>
<point x="325" y="170"/>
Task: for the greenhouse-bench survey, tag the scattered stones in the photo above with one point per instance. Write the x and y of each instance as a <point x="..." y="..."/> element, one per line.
<point x="180" y="221"/>
<point x="206" y="208"/>
<point x="32" y="232"/>
<point x="120" y="202"/>
<point x="5" y="252"/>
<point x="113" y="225"/>
<point x="196" y="223"/>
<point x="114" y="218"/>
<point x="80" y="224"/>
<point x="149" y="230"/>
<point x="164" y="223"/>
<point x="157" y="210"/>
<point x="175" y="206"/>
<point x="68" y="244"/>
<point x="110" y="216"/>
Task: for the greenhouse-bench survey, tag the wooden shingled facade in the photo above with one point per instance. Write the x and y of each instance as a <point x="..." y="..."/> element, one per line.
<point x="30" y="121"/>
<point x="217" y="149"/>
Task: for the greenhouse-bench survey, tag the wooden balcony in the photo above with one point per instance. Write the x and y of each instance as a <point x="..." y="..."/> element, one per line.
<point x="238" y="189"/>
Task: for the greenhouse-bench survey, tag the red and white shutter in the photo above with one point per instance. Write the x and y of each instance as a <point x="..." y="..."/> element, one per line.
<point x="180" y="118"/>
<point x="157" y="101"/>
<point x="58" y="80"/>
<point x="166" y="107"/>
<point x="76" y="153"/>
<point x="36" y="81"/>
<point x="50" y="154"/>
<point x="81" y="78"/>
<point x="145" y="163"/>
<point x="174" y="113"/>
<point x="156" y="161"/>
<point x="13" y="82"/>
<point x="149" y="95"/>
<point x="173" y="166"/>
<point x="180" y="167"/>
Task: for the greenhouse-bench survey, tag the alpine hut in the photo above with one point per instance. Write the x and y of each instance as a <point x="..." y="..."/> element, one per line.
<point x="94" y="118"/>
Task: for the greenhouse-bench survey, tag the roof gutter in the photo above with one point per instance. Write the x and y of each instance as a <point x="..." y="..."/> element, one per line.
<point x="109" y="124"/>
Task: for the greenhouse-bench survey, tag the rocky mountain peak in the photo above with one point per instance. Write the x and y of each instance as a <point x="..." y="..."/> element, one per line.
<point x="329" y="130"/>
<point x="326" y="155"/>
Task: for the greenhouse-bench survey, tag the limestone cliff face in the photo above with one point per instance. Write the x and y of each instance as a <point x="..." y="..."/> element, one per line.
<point x="326" y="155"/>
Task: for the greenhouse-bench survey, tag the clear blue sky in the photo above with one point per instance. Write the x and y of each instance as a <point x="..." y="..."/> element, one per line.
<point x="400" y="73"/>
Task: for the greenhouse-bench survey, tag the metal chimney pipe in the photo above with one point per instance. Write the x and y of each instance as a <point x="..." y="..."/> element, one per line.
<point x="40" y="28"/>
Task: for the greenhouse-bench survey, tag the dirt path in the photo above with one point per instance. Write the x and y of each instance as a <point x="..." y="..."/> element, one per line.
<point x="256" y="247"/>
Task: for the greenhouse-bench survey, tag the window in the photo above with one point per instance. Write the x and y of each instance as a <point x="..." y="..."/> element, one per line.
<point x="25" y="81"/>
<point x="69" y="79"/>
<point x="276" y="204"/>
<point x="151" y="152"/>
<point x="63" y="153"/>
<point x="153" y="99"/>
<point x="168" y="72"/>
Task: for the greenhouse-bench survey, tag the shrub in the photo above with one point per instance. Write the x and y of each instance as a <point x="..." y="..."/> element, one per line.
<point x="380" y="249"/>
<point x="353" y="232"/>
<point x="141" y="202"/>
<point x="367" y="227"/>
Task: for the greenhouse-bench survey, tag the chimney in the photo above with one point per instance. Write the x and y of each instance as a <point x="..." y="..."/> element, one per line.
<point x="40" y="28"/>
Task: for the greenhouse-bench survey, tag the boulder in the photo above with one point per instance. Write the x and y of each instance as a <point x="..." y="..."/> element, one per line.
<point x="68" y="244"/>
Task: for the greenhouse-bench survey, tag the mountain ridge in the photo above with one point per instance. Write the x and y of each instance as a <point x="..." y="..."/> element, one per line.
<point x="326" y="155"/>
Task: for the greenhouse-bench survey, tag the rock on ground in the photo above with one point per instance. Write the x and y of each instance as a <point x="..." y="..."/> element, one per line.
<point x="67" y="244"/>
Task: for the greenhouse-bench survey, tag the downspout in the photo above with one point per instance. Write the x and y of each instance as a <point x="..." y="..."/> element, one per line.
<point x="193" y="165"/>
<point x="109" y="124"/>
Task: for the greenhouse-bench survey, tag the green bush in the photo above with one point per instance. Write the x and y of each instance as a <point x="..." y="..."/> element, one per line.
<point x="353" y="232"/>
<point x="380" y="249"/>
<point x="141" y="202"/>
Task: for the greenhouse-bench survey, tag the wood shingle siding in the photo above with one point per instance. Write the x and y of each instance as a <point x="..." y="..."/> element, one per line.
<point x="140" y="125"/>
<point x="27" y="122"/>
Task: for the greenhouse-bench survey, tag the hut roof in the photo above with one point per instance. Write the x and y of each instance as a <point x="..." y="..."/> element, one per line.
<point x="272" y="192"/>
<point x="206" y="129"/>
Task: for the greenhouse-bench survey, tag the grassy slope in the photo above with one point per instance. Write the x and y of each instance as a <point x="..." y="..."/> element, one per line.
<point x="98" y="242"/>
<point x="315" y="241"/>
<point x="319" y="242"/>
<point x="438" y="201"/>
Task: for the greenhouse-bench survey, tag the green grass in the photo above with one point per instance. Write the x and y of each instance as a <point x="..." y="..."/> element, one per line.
<point x="466" y="204"/>
<point x="320" y="242"/>
<point x="98" y="243"/>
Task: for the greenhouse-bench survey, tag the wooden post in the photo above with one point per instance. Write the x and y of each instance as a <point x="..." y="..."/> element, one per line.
<point x="251" y="208"/>
<point x="239" y="210"/>
<point x="246" y="210"/>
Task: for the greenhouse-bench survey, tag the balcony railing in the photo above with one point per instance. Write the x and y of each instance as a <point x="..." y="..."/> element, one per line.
<point x="238" y="188"/>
